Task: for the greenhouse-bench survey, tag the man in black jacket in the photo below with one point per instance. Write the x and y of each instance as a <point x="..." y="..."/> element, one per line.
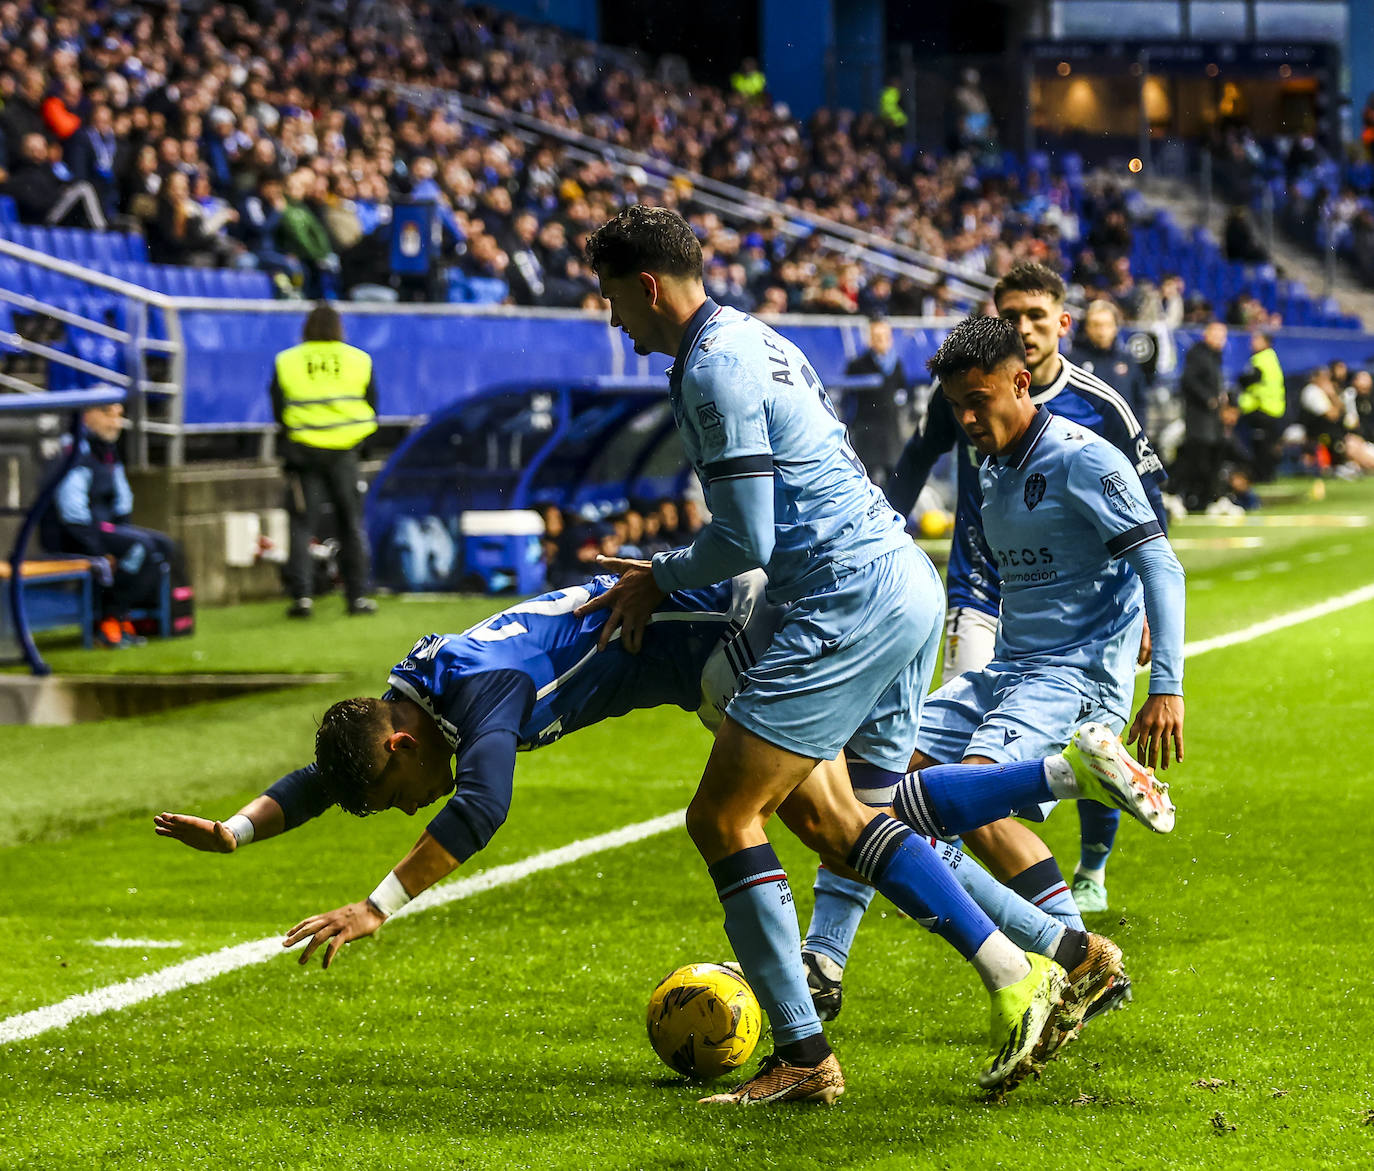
<point x="874" y="414"/>
<point x="1198" y="468"/>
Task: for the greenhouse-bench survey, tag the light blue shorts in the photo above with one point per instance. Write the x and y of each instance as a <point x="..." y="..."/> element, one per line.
<point x="1011" y="712"/>
<point x="850" y="665"/>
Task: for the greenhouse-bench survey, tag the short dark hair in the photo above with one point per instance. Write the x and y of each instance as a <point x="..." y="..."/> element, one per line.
<point x="323" y="325"/>
<point x="1031" y="278"/>
<point x="346" y="751"/>
<point x="644" y="239"/>
<point x="981" y="343"/>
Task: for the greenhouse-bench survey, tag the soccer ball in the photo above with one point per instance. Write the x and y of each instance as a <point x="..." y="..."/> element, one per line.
<point x="704" y="1020"/>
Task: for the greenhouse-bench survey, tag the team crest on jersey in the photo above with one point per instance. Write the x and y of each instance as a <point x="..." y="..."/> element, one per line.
<point x="709" y="417"/>
<point x="1035" y="490"/>
<point x="1114" y="489"/>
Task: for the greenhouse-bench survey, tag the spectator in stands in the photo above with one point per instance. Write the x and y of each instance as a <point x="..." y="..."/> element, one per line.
<point x="1263" y="403"/>
<point x="43" y="192"/>
<point x="23" y="115"/>
<point x="180" y="232"/>
<point x="1197" y="470"/>
<point x="300" y="233"/>
<point x="1097" y="349"/>
<point x="96" y="155"/>
<point x="748" y="81"/>
<point x="91" y="515"/>
<point x="1322" y="417"/>
<point x="874" y="413"/>
<point x="1242" y="241"/>
<point x="325" y="400"/>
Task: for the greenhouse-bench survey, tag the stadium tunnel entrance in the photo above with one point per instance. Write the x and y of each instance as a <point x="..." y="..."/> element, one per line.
<point x="590" y="443"/>
<point x="58" y="700"/>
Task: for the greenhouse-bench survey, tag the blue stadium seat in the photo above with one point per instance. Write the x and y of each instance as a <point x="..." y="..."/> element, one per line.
<point x="9" y="213"/>
<point x="136" y="245"/>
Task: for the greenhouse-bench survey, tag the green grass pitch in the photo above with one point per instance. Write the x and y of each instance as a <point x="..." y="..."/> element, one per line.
<point x="507" y="1030"/>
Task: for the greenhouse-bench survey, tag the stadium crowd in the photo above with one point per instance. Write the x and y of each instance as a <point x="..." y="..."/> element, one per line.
<point x="259" y="136"/>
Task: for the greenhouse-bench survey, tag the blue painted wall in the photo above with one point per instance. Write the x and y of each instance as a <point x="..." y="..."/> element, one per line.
<point x="580" y="16"/>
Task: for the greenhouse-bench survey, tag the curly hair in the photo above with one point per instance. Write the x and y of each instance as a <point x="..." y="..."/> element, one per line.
<point x="982" y="343"/>
<point x="1031" y="278"/>
<point x="346" y="751"/>
<point x="644" y="239"/>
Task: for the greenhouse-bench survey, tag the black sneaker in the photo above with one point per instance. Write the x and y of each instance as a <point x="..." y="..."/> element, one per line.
<point x="362" y="606"/>
<point x="301" y="608"/>
<point x="823" y="977"/>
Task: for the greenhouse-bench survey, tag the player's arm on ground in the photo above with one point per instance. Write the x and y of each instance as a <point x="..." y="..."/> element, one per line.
<point x="723" y="406"/>
<point x="1107" y="492"/>
<point x="938" y="434"/>
<point x="292" y="801"/>
<point x="487" y="710"/>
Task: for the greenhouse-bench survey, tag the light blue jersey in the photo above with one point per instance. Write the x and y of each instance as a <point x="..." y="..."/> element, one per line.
<point x="1060" y="511"/>
<point x="748" y="405"/>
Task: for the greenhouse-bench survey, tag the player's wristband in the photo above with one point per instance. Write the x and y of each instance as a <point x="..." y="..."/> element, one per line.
<point x="241" y="827"/>
<point x="389" y="897"/>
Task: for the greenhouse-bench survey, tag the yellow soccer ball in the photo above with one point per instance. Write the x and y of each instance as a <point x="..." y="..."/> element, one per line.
<point x="936" y="522"/>
<point x="704" y="1020"/>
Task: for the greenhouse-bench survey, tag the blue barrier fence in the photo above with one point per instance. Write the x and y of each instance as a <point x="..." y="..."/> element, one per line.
<point x="425" y="362"/>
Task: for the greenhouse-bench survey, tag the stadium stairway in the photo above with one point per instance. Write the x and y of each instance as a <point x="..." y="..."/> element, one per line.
<point x="1182" y="204"/>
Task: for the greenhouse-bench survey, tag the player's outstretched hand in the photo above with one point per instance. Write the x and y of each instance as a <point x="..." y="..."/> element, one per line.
<point x="1158" y="729"/>
<point x="336" y="928"/>
<point x="631" y="600"/>
<point x="197" y="832"/>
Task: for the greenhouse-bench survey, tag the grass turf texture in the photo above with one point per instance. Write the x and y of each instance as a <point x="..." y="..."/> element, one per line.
<point x="507" y="1029"/>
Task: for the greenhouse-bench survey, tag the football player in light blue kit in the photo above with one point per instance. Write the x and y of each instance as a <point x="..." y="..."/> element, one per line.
<point x="847" y="669"/>
<point x="1067" y="519"/>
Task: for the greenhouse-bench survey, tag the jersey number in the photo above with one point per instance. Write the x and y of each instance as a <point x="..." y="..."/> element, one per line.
<point x="504" y="625"/>
<point x="846" y="448"/>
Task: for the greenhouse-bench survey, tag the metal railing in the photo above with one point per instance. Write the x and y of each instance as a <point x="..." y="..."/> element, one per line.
<point x="155" y="406"/>
<point x="968" y="286"/>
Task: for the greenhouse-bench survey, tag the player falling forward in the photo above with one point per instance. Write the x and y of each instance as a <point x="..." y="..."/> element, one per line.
<point x="1068" y="521"/>
<point x="521" y="680"/>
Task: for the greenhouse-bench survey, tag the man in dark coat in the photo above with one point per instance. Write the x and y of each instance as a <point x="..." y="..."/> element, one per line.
<point x="1198" y="468"/>
<point x="874" y="413"/>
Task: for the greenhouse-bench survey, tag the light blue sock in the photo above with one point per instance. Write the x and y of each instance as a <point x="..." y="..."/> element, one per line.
<point x="761" y="923"/>
<point x="839" y="909"/>
<point x="1097" y="826"/>
<point x="1025" y="924"/>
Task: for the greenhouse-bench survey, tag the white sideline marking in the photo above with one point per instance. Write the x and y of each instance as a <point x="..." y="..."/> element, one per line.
<point x="1275" y="624"/>
<point x="227" y="959"/>
<point x="140" y="944"/>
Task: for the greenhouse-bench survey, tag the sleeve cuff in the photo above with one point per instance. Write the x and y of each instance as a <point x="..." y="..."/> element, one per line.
<point x="453" y="833"/>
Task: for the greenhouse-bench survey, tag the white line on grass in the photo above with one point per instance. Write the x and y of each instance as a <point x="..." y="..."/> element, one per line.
<point x="139" y="944"/>
<point x="228" y="959"/>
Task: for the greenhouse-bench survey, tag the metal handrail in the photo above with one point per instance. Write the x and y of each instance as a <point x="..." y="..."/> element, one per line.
<point x="968" y="282"/>
<point x="137" y="345"/>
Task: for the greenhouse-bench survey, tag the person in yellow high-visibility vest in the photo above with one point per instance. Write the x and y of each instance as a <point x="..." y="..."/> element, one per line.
<point x="1263" y="403"/>
<point x="325" y="399"/>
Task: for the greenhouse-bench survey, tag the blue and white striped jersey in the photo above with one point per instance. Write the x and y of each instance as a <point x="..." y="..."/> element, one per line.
<point x="532" y="673"/>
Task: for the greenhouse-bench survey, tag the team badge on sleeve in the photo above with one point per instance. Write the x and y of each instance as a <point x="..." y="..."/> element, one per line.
<point x="709" y="416"/>
<point x="1114" y="488"/>
<point x="1035" y="490"/>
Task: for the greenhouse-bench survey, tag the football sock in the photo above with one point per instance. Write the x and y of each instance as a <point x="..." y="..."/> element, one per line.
<point x="1000" y="962"/>
<point x="1071" y="950"/>
<point x="1025" y="924"/>
<point x="949" y="799"/>
<point x="907" y="871"/>
<point x="1043" y="886"/>
<point x="1097" y="828"/>
<point x="839" y="908"/>
<point x="761" y="924"/>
